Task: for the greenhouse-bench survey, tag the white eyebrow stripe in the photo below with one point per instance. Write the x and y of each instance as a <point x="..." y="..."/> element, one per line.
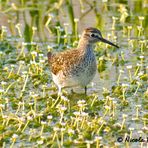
<point x="96" y="34"/>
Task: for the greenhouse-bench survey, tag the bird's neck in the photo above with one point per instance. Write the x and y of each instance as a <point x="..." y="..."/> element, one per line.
<point x="84" y="46"/>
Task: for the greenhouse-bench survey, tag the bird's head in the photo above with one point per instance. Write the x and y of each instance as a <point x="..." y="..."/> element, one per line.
<point x="93" y="35"/>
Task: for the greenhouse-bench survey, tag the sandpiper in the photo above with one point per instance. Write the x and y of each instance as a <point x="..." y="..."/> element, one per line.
<point x="76" y="67"/>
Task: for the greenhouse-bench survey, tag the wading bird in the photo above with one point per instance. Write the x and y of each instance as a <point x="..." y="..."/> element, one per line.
<point x="76" y="67"/>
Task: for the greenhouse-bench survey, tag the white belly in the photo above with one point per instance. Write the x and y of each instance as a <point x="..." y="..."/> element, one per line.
<point x="78" y="75"/>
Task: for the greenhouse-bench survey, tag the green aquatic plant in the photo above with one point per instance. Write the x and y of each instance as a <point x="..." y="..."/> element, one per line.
<point x="70" y="13"/>
<point x="3" y="32"/>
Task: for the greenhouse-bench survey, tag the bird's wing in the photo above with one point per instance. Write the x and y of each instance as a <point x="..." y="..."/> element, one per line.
<point x="64" y="60"/>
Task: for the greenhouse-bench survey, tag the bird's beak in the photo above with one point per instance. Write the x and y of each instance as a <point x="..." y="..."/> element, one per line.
<point x="108" y="42"/>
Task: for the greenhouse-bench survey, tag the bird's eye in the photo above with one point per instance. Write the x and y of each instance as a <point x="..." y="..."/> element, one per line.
<point x="92" y="35"/>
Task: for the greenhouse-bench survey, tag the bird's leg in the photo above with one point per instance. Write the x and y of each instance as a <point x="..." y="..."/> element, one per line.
<point x="59" y="95"/>
<point x="85" y="90"/>
<point x="72" y="91"/>
<point x="60" y="92"/>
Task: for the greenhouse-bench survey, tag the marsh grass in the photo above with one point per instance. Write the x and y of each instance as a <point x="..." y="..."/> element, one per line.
<point x="116" y="104"/>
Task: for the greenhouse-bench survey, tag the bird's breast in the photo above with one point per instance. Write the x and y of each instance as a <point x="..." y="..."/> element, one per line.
<point x="85" y="71"/>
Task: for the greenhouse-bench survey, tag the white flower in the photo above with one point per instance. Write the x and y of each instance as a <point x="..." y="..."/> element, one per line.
<point x="140" y="132"/>
<point x="2" y="105"/>
<point x="140" y="73"/>
<point x="33" y="43"/>
<point x="131" y="128"/>
<point x="29" y="118"/>
<point x="121" y="71"/>
<point x="138" y="64"/>
<point x="1" y="90"/>
<point x="22" y="119"/>
<point x="107" y="107"/>
<point x="63" y="108"/>
<point x="81" y="101"/>
<point x="43" y="122"/>
<point x="109" y="98"/>
<point x="14" y="136"/>
<point x="40" y="142"/>
<point x="58" y="27"/>
<point x="24" y="43"/>
<point x="3" y="83"/>
<point x="41" y="55"/>
<point x="101" y="58"/>
<point x="125" y="85"/>
<point x="12" y="66"/>
<point x="4" y="28"/>
<point x="63" y="123"/>
<point x="40" y="115"/>
<point x="33" y="62"/>
<point x="63" y="129"/>
<point x="139" y="28"/>
<point x="31" y="103"/>
<point x="34" y="95"/>
<point x="141" y="57"/>
<point x="141" y="18"/>
<point x="64" y="98"/>
<point x="56" y="129"/>
<point x="98" y="138"/>
<point x="76" y="20"/>
<point x="129" y="27"/>
<point x="71" y="131"/>
<point x="114" y="18"/>
<point x="66" y="24"/>
<point x="4" y="116"/>
<point x="49" y="117"/>
<point x="18" y="25"/>
<point x="124" y="115"/>
<point x="24" y="72"/>
<point x="129" y="67"/>
<point x="21" y="62"/>
<point x="89" y="141"/>
<point x="34" y="28"/>
<point x="34" y="53"/>
<point x="76" y="113"/>
<point x="20" y="103"/>
<point x="84" y="114"/>
<point x="42" y="61"/>
<point x="137" y="106"/>
<point x="145" y="128"/>
<point x="114" y="102"/>
<point x="1" y="53"/>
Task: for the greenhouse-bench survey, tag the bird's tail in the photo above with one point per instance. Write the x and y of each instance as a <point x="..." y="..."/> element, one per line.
<point x="49" y="55"/>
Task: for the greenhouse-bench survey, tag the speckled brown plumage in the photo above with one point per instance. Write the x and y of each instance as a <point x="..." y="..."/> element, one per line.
<point x="65" y="60"/>
<point x="76" y="67"/>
